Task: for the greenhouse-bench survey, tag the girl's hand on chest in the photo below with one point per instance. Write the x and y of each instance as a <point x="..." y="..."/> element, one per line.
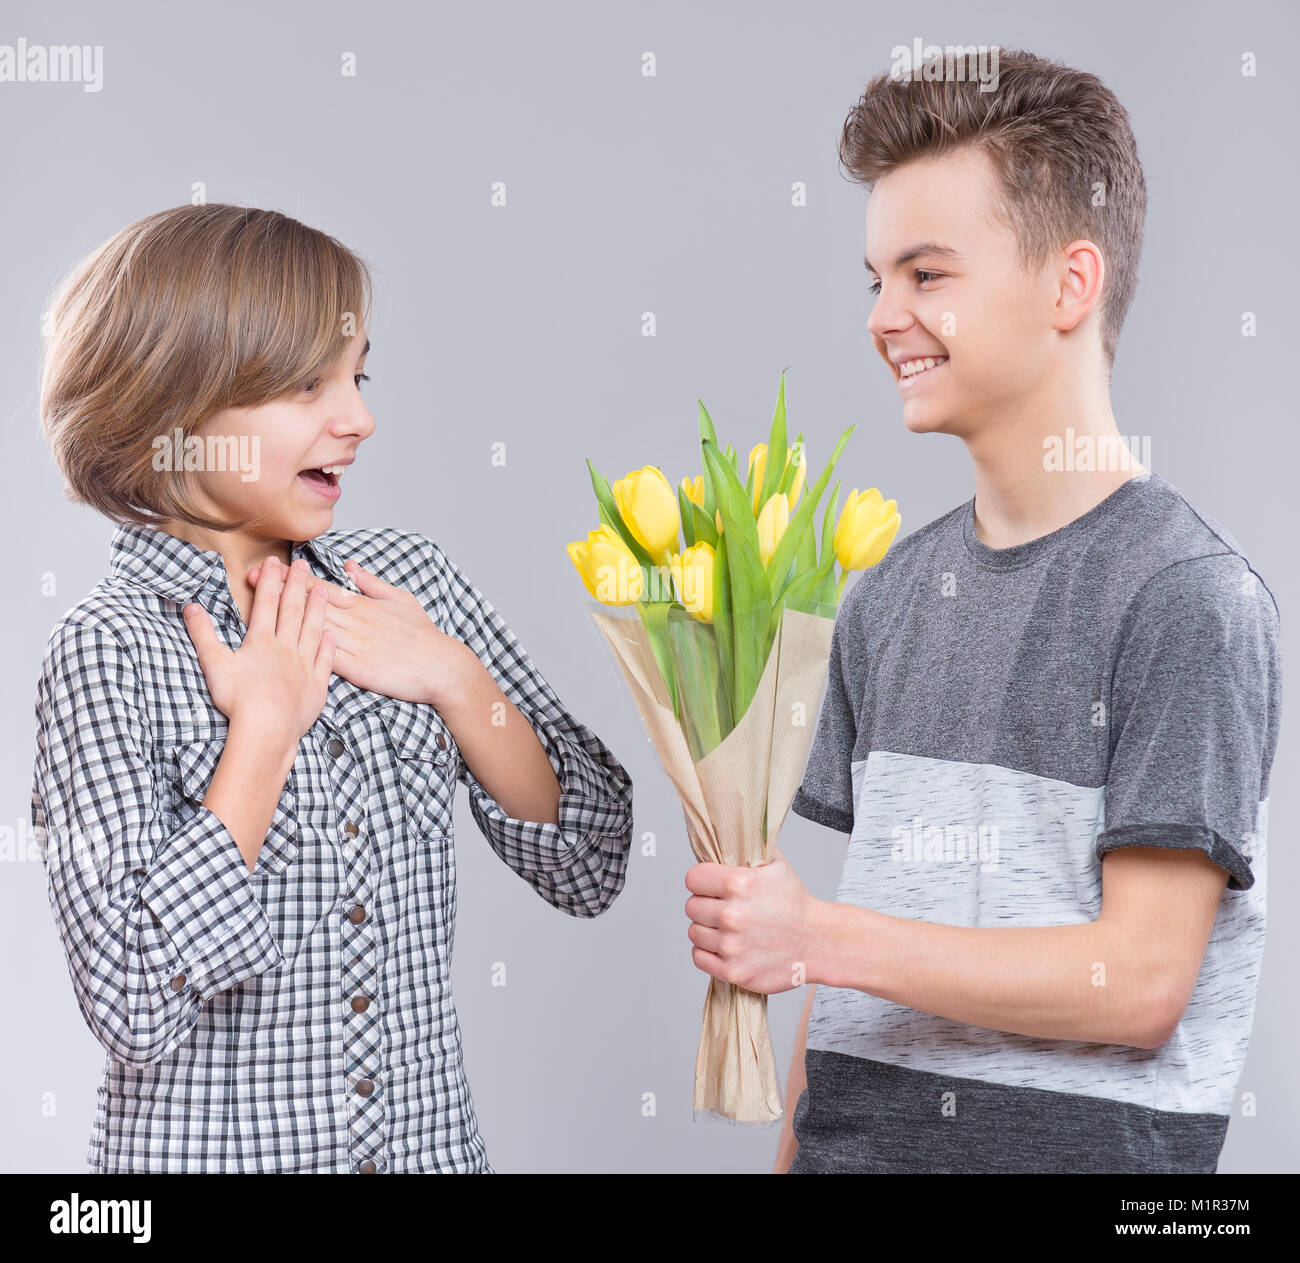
<point x="279" y="676"/>
<point x="385" y="641"/>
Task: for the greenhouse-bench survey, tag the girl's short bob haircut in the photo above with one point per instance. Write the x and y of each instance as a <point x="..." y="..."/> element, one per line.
<point x="179" y="315"/>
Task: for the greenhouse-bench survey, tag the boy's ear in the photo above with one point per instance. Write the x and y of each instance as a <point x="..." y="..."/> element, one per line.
<point x="1081" y="272"/>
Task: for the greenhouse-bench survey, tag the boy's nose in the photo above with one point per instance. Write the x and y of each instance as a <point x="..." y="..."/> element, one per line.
<point x="887" y="318"/>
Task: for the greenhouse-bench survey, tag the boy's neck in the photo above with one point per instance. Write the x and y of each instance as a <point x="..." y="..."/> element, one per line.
<point x="1022" y="494"/>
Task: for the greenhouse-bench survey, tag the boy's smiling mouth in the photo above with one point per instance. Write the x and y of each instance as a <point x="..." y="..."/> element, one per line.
<point x="909" y="371"/>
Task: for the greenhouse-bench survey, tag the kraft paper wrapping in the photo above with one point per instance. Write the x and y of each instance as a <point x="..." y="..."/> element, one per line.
<point x="735" y="801"/>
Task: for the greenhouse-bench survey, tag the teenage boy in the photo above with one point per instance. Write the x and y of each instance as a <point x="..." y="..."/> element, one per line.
<point x="1050" y="714"/>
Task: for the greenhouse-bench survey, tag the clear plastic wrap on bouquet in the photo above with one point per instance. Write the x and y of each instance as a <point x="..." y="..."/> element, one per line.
<point x="736" y="778"/>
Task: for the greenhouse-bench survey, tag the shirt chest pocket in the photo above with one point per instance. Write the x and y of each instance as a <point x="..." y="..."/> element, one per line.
<point x="428" y="763"/>
<point x="191" y="766"/>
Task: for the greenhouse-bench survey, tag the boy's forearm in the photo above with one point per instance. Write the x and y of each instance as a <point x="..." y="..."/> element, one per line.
<point x="499" y="745"/>
<point x="1073" y="982"/>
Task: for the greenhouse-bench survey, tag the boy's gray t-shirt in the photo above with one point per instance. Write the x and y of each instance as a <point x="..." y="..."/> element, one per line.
<point x="995" y="721"/>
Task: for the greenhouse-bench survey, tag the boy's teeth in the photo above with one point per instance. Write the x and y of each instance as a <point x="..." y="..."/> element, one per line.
<point x="909" y="368"/>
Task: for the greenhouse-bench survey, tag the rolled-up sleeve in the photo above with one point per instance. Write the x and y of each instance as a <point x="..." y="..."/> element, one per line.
<point x="580" y="864"/>
<point x="152" y="922"/>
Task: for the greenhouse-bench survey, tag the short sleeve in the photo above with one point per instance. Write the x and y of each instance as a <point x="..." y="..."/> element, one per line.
<point x="578" y="865"/>
<point x="826" y="794"/>
<point x="1195" y="699"/>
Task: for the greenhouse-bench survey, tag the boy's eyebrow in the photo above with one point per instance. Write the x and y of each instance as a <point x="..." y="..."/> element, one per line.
<point x="932" y="248"/>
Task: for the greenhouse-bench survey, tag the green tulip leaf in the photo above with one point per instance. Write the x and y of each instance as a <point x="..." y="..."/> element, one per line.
<point x="828" y="522"/>
<point x="654" y="614"/>
<point x="751" y="602"/>
<point x="774" y="468"/>
<point x="684" y="507"/>
<point x="706" y="531"/>
<point x="797" y="454"/>
<point x="707" y="432"/>
<point x="722" y="629"/>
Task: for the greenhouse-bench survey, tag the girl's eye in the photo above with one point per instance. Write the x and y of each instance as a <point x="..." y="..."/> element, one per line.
<point x="874" y="287"/>
<point x="358" y="378"/>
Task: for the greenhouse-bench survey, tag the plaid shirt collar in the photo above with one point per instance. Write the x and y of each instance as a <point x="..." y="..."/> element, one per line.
<point x="181" y="571"/>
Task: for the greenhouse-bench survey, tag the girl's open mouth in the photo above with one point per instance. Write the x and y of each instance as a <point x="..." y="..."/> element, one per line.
<point x="324" y="483"/>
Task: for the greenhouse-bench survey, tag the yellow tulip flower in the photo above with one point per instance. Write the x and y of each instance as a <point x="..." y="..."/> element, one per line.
<point x="693" y="572"/>
<point x="758" y="464"/>
<point x="694" y="489"/>
<point x="866" y="528"/>
<point x="772" y="522"/>
<point x="607" y="567"/>
<point x="649" y="507"/>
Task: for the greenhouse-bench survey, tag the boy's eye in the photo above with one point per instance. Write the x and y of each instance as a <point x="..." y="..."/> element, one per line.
<point x="921" y="275"/>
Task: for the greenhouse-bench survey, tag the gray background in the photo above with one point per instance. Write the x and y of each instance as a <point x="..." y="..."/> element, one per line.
<point x="522" y="326"/>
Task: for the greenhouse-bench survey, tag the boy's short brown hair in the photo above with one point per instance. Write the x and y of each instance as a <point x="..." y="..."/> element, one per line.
<point x="1058" y="139"/>
<point x="177" y="316"/>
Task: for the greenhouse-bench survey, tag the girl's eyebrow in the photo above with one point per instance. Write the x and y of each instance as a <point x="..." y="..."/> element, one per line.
<point x="931" y="248"/>
<point x="365" y="350"/>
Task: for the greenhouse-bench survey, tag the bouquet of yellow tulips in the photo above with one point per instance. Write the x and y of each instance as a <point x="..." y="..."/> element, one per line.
<point x="723" y="645"/>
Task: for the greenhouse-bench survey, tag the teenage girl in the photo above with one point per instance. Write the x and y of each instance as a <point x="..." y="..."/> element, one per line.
<point x="250" y="732"/>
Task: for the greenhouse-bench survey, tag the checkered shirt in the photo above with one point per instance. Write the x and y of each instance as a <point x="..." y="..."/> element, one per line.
<point x="300" y="1017"/>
